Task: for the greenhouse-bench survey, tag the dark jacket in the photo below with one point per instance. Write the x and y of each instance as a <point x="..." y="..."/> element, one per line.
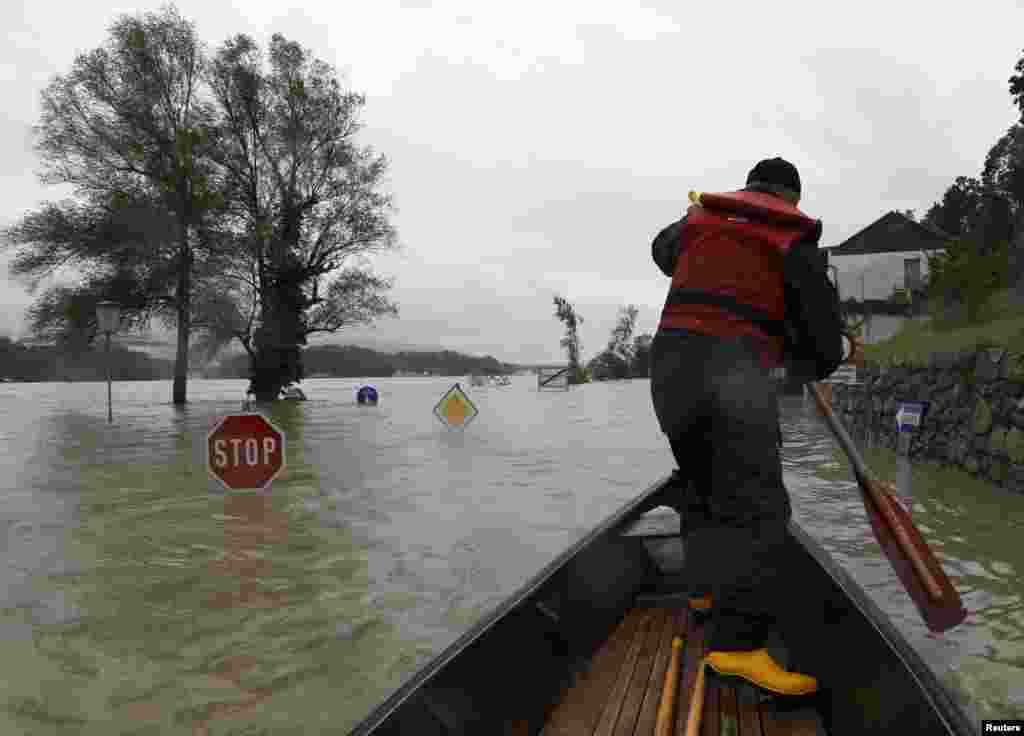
<point x="814" y="344"/>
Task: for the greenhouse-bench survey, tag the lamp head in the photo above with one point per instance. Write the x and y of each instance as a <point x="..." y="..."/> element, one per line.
<point x="108" y="316"/>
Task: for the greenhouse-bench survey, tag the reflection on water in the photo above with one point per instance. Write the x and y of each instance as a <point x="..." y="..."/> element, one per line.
<point x="138" y="597"/>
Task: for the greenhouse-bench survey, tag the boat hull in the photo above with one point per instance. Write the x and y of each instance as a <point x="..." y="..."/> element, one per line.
<point x="508" y="671"/>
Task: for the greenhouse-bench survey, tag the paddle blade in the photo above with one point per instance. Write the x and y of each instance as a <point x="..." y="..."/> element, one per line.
<point x="939" y="614"/>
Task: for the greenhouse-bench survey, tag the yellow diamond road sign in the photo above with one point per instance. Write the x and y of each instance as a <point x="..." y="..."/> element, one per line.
<point x="455" y="409"/>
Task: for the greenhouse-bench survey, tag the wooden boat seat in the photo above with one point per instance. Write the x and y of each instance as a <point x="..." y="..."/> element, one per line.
<point x="619" y="694"/>
<point x="660" y="532"/>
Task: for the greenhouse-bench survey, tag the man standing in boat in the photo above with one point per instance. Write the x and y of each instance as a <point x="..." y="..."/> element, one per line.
<point x="749" y="293"/>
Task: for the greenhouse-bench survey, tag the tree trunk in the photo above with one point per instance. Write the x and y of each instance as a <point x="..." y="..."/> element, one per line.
<point x="184" y="323"/>
<point x="264" y="381"/>
<point x="277" y="362"/>
<point x="266" y="377"/>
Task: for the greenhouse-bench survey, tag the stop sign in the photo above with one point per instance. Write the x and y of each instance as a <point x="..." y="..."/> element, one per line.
<point x="245" y="452"/>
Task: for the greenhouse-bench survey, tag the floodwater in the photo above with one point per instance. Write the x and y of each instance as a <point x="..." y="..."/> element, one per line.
<point x="138" y="598"/>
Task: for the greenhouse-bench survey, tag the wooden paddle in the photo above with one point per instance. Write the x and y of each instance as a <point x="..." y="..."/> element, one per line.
<point x="696" y="703"/>
<point x="667" y="708"/>
<point x="913" y="560"/>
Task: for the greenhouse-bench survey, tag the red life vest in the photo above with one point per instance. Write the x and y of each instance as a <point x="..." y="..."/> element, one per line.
<point x="728" y="280"/>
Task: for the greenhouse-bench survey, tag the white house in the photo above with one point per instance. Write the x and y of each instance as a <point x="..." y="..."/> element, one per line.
<point x="889" y="254"/>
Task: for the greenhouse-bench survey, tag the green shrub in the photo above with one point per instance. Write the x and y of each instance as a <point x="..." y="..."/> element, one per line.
<point x="969" y="276"/>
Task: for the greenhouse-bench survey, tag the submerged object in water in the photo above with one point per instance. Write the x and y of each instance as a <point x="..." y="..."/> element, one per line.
<point x="367" y="395"/>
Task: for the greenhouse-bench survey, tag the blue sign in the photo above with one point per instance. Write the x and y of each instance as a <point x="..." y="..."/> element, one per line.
<point x="367" y="395"/>
<point x="909" y="415"/>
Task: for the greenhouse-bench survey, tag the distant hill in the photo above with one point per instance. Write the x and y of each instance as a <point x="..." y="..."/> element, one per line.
<point x="353" y="361"/>
<point x="160" y="346"/>
<point x="152" y="357"/>
<point x="24" y="362"/>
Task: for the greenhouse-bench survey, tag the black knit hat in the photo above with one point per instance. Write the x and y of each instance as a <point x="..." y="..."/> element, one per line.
<point x="775" y="173"/>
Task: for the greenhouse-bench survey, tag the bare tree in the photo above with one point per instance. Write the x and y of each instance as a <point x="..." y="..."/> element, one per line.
<point x="566" y="314"/>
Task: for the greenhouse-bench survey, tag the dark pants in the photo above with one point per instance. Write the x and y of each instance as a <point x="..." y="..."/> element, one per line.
<point x="719" y="409"/>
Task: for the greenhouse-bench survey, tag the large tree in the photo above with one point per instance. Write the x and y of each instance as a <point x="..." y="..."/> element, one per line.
<point x="1016" y="250"/>
<point x="127" y="125"/>
<point x="1003" y="178"/>
<point x="1017" y="87"/>
<point x="303" y="198"/>
<point x="959" y="204"/>
<point x="119" y="251"/>
<point x="1003" y="172"/>
<point x="122" y="250"/>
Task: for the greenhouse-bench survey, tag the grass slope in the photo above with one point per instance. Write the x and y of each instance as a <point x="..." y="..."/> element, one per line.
<point x="1003" y="328"/>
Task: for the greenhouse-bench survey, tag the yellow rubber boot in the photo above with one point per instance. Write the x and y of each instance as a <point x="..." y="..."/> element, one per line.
<point x="759" y="669"/>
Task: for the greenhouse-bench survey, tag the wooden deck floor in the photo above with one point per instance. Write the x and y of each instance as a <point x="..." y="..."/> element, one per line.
<point x="620" y="692"/>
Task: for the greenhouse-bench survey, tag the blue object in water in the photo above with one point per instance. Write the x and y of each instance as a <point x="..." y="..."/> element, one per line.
<point x="367" y="395"/>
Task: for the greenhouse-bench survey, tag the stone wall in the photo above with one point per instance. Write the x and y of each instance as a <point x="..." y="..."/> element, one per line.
<point x="975" y="420"/>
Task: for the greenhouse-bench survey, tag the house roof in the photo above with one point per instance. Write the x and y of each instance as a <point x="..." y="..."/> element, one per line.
<point x="893" y="232"/>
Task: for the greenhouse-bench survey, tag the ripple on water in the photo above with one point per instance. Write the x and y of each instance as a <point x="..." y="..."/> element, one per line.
<point x="414" y="534"/>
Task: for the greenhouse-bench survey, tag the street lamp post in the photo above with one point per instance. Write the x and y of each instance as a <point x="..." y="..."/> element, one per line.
<point x="108" y="316"/>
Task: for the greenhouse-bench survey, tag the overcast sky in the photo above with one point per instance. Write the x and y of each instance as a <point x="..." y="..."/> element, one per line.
<point x="537" y="147"/>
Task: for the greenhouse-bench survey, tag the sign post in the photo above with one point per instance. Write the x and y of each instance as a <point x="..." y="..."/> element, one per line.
<point x="909" y="416"/>
<point x="245" y="452"/>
